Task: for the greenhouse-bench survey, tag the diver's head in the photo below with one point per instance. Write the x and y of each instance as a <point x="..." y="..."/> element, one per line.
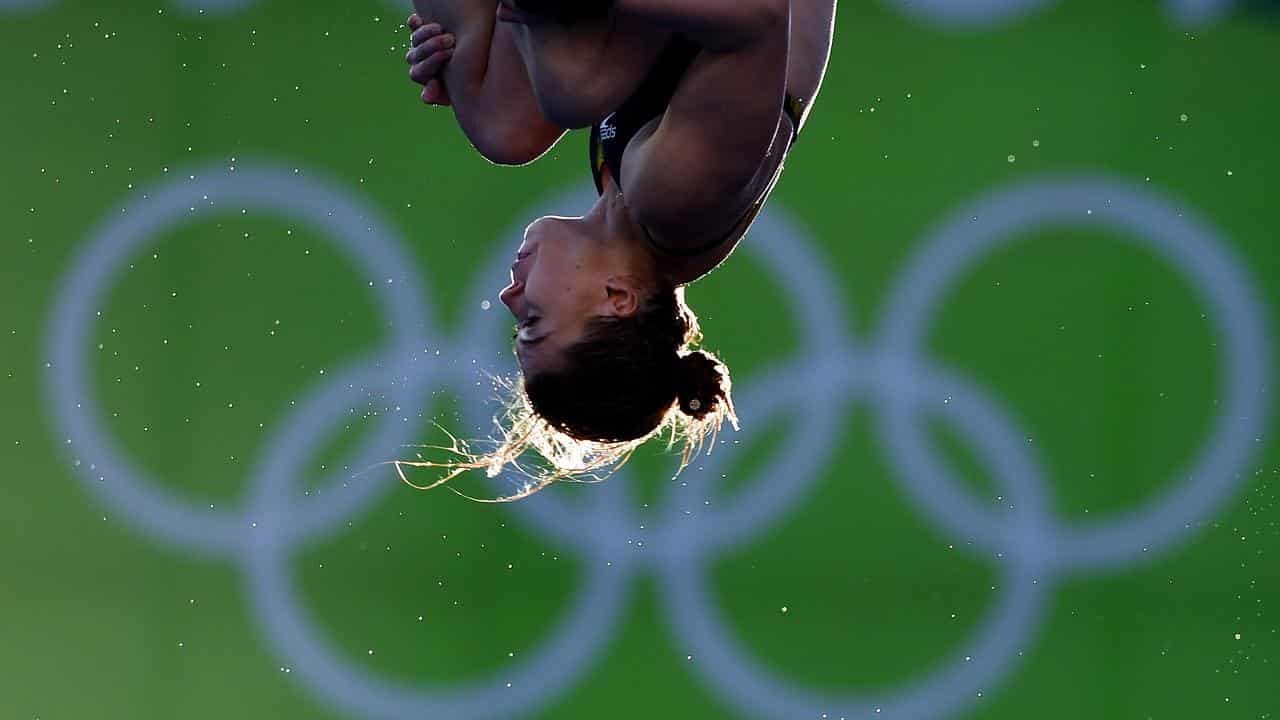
<point x="607" y="355"/>
<point x="628" y="376"/>
<point x="604" y="339"/>
<point x="570" y="272"/>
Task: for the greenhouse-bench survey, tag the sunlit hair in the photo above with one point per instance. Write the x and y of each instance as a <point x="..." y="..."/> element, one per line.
<point x="624" y="382"/>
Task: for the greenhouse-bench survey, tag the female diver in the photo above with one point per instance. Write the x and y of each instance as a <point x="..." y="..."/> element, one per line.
<point x="693" y="106"/>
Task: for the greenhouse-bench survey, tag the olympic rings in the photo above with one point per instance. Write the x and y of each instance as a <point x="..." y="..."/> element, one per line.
<point x="891" y="373"/>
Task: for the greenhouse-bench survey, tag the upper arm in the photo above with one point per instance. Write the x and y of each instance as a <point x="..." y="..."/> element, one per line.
<point x="693" y="176"/>
<point x="488" y="83"/>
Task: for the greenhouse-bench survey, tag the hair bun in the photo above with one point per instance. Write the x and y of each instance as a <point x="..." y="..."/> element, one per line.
<point x="699" y="384"/>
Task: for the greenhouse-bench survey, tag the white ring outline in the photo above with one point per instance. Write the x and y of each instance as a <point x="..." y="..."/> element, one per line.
<point x="1172" y="234"/>
<point x="357" y="229"/>
<point x="898" y="382"/>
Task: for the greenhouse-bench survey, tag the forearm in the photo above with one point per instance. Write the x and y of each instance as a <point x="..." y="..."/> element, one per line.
<point x="493" y="99"/>
<point x="488" y="84"/>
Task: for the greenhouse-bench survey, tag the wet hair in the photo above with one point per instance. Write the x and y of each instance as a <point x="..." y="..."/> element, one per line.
<point x="626" y="380"/>
<point x="626" y="374"/>
<point x="566" y="11"/>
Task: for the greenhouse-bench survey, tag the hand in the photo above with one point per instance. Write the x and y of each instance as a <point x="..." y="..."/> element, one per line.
<point x="431" y="49"/>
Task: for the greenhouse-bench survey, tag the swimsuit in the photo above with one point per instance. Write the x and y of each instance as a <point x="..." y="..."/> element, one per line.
<point x="610" y="136"/>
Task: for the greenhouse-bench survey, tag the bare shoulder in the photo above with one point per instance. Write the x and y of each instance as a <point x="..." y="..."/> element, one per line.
<point x="689" y="175"/>
<point x="695" y="172"/>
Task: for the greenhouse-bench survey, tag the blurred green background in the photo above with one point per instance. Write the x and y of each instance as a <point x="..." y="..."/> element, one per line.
<point x="214" y="331"/>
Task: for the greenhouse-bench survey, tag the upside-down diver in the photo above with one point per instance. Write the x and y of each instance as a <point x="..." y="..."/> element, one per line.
<point x="693" y="107"/>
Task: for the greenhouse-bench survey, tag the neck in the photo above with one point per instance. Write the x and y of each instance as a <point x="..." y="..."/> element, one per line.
<point x="622" y="241"/>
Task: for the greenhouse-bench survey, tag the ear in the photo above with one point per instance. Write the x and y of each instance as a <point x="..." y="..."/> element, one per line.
<point x="622" y="296"/>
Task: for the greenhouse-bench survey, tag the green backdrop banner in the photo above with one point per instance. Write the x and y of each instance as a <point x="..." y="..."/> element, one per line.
<point x="1002" y="347"/>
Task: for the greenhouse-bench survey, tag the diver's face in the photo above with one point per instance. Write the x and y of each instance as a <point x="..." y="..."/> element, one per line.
<point x="557" y="287"/>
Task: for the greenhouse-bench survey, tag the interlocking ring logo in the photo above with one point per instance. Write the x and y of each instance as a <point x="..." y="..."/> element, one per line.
<point x="891" y="372"/>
